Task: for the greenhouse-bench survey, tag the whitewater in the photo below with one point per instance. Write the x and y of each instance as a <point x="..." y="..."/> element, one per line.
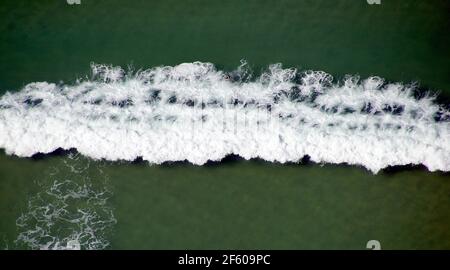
<point x="197" y="113"/>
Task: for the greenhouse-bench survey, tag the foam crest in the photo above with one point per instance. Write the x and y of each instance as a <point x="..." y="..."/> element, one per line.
<point x="197" y="113"/>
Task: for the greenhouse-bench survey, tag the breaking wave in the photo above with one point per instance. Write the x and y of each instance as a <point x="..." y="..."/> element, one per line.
<point x="70" y="212"/>
<point x="197" y="113"/>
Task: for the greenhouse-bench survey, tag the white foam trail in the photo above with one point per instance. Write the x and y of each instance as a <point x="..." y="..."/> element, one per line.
<point x="70" y="209"/>
<point x="197" y="113"/>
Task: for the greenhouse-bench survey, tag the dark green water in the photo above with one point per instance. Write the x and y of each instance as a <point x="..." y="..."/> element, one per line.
<point x="239" y="204"/>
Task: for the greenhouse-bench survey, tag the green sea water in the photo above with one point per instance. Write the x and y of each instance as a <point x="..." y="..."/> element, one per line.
<point x="236" y="204"/>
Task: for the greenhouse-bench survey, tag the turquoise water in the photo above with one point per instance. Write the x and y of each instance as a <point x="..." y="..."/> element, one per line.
<point x="235" y="204"/>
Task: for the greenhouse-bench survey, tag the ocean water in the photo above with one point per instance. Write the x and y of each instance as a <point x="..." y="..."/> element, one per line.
<point x="208" y="124"/>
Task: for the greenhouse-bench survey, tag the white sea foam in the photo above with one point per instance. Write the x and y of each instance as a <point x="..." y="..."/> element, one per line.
<point x="70" y="211"/>
<point x="197" y="113"/>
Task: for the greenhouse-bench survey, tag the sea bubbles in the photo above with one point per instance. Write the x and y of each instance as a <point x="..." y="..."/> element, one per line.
<point x="70" y="212"/>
